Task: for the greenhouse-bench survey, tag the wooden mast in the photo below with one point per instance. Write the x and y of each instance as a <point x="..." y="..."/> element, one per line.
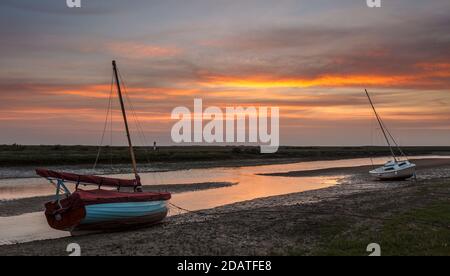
<point x="381" y="125"/>
<point x="124" y="113"/>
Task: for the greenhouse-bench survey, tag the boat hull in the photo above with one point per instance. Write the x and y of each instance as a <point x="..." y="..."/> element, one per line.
<point x="401" y="174"/>
<point x="118" y="216"/>
<point x="110" y="217"/>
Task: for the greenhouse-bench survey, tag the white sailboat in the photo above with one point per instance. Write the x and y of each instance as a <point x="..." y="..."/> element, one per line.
<point x="398" y="168"/>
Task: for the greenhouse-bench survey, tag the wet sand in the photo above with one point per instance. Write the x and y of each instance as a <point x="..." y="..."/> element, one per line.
<point x="36" y="204"/>
<point x="295" y="224"/>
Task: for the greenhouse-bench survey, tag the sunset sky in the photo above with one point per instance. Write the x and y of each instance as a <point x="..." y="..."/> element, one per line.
<point x="312" y="59"/>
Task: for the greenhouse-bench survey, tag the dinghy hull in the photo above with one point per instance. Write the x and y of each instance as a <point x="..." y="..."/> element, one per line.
<point x="105" y="211"/>
<point x="119" y="216"/>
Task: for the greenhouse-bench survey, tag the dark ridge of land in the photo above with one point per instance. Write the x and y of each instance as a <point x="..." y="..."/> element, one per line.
<point x="21" y="155"/>
<point x="36" y="204"/>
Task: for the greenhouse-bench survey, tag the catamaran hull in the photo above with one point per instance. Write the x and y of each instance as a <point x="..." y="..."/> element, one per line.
<point x="110" y="217"/>
<point x="395" y="175"/>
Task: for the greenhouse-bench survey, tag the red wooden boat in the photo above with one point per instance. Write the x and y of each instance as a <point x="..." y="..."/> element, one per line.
<point x="102" y="209"/>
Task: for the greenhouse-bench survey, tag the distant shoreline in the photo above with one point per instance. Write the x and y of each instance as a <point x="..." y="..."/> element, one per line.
<point x="18" y="172"/>
<point x="58" y="155"/>
<point x="21" y="161"/>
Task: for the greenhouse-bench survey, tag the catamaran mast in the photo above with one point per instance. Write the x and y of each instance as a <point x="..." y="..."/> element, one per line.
<point x="124" y="113"/>
<point x="382" y="126"/>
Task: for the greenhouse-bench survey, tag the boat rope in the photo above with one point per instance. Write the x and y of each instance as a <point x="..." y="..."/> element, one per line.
<point x="182" y="209"/>
<point x="108" y="114"/>
<point x="381" y="125"/>
<point x="109" y="118"/>
<point x="371" y="141"/>
<point x="393" y="140"/>
<point x="140" y="130"/>
<point x="387" y="134"/>
<point x="330" y="211"/>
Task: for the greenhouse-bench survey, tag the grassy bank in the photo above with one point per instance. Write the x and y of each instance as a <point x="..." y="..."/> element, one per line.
<point x="419" y="224"/>
<point x="19" y="155"/>
<point x="417" y="232"/>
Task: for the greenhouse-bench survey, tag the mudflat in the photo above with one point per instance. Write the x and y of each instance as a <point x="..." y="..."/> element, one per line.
<point x="340" y="220"/>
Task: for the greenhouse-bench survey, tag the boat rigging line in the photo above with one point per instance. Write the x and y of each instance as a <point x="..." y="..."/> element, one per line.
<point x="380" y="122"/>
<point x="387" y="134"/>
<point x="108" y="114"/>
<point x="109" y="118"/>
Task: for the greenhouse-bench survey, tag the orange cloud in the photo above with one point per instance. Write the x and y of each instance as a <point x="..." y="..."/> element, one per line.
<point x="269" y="82"/>
<point x="323" y="81"/>
<point x="92" y="91"/>
<point x="434" y="66"/>
<point x="431" y="74"/>
<point x="102" y="91"/>
<point x="140" y="50"/>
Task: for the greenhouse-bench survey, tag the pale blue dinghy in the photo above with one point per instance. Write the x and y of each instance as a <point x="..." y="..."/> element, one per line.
<point x="120" y="211"/>
<point x="102" y="210"/>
